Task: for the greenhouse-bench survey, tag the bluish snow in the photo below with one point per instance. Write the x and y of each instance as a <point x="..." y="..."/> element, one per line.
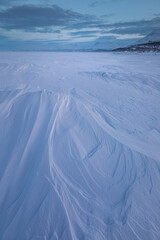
<point x="79" y="146"/>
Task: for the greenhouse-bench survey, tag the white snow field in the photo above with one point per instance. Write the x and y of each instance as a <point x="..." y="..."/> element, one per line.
<point x="79" y="146"/>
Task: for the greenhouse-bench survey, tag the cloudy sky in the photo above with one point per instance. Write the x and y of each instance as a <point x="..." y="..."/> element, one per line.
<point x="46" y="23"/>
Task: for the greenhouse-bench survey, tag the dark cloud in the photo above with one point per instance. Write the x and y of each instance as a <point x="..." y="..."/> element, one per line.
<point x="131" y="30"/>
<point x="156" y="15"/>
<point x="130" y="27"/>
<point x="32" y="17"/>
<point x="83" y="33"/>
<point x="142" y="23"/>
<point x="54" y="19"/>
<point x="85" y="36"/>
<point x="90" y="23"/>
<point x="101" y="2"/>
<point x="107" y="15"/>
<point x="134" y="27"/>
<point x="96" y="3"/>
<point x="45" y="30"/>
<point x="5" y="3"/>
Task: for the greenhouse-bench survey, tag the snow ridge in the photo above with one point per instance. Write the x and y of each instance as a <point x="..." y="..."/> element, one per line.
<point x="66" y="166"/>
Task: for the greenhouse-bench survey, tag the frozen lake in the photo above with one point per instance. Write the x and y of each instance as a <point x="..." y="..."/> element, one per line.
<point x="79" y="146"/>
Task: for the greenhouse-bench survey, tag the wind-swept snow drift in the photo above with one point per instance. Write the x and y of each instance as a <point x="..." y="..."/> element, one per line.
<point x="79" y="147"/>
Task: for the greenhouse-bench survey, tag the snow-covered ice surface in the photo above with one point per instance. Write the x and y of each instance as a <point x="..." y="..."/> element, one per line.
<point x="79" y="146"/>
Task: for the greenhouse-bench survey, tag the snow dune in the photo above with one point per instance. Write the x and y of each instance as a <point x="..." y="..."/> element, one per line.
<point x="79" y="146"/>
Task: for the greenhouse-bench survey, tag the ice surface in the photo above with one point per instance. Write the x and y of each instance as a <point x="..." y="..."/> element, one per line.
<point x="79" y="146"/>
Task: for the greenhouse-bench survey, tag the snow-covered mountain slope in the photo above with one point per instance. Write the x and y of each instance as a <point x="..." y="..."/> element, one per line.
<point x="154" y="36"/>
<point x="80" y="137"/>
<point x="150" y="43"/>
<point x="141" y="48"/>
<point x="105" y="43"/>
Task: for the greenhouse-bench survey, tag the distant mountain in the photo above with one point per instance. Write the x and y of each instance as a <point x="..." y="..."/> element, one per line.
<point x="149" y="43"/>
<point x="146" y="47"/>
<point x="105" y="43"/>
<point x="154" y="36"/>
<point x="100" y="44"/>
